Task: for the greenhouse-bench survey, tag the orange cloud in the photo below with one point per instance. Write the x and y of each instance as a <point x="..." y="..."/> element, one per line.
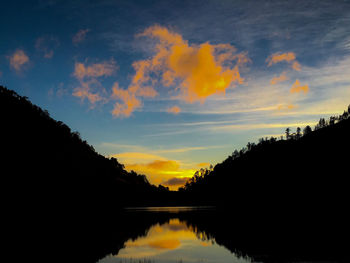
<point x="80" y="36"/>
<point x="130" y="102"/>
<point x="174" y="110"/>
<point x="88" y="78"/>
<point x="106" y="68"/>
<point x="296" y="66"/>
<point x="18" y="60"/>
<point x="196" y="71"/>
<point x="297" y="88"/>
<point x="278" y="79"/>
<point x="129" y="99"/>
<point x="280" y="57"/>
<point x="84" y="92"/>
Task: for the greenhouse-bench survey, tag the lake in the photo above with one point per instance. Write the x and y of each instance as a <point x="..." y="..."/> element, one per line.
<point x="173" y="241"/>
<point x="204" y="234"/>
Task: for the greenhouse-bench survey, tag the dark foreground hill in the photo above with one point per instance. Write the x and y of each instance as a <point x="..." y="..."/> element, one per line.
<point x="42" y="159"/>
<point x="305" y="172"/>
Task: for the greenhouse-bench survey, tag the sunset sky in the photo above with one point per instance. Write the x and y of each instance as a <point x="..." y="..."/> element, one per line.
<point x="168" y="87"/>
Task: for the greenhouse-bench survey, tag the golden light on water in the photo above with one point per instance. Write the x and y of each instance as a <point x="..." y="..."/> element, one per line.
<point x="172" y="242"/>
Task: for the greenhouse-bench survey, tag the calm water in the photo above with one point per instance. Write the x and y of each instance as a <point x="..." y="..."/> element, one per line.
<point x="172" y="241"/>
<point x="205" y="234"/>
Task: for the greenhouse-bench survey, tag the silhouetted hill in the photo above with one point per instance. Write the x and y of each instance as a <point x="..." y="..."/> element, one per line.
<point x="43" y="156"/>
<point x="303" y="172"/>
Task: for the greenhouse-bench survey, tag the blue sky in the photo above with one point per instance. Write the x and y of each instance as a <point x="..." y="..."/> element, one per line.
<point x="80" y="61"/>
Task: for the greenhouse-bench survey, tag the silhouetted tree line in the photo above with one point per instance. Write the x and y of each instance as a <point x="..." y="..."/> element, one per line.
<point x="37" y="145"/>
<point x="199" y="176"/>
<point x="298" y="169"/>
<point x="51" y="149"/>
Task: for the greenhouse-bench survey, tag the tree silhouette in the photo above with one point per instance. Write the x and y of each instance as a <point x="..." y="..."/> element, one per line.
<point x="258" y="167"/>
<point x="287" y="133"/>
<point x="321" y="124"/>
<point x="298" y="133"/>
<point x="307" y="130"/>
<point x="58" y="159"/>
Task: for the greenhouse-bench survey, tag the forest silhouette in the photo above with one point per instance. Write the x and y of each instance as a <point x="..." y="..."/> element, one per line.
<point x="301" y="170"/>
<point x="56" y="187"/>
<point x="43" y="156"/>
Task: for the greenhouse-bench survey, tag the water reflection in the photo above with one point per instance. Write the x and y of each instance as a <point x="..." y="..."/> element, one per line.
<point x="197" y="234"/>
<point x="173" y="241"/>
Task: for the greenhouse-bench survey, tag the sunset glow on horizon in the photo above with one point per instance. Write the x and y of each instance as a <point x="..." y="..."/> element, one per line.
<point x="169" y="87"/>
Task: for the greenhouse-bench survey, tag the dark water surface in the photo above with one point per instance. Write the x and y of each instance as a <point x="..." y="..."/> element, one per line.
<point x="173" y="241"/>
<point x="204" y="234"/>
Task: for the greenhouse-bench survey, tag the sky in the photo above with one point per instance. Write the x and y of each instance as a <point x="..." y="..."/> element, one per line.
<point x="169" y="87"/>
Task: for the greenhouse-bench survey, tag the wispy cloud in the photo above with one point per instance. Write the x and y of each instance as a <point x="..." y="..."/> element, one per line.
<point x="106" y="68"/>
<point x="185" y="149"/>
<point x="280" y="57"/>
<point x="152" y="151"/>
<point x="288" y="57"/>
<point x="278" y="79"/>
<point x="225" y="110"/>
<point x="297" y="88"/>
<point x="88" y="76"/>
<point x="80" y="36"/>
<point x="283" y="107"/>
<point x="258" y="126"/>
